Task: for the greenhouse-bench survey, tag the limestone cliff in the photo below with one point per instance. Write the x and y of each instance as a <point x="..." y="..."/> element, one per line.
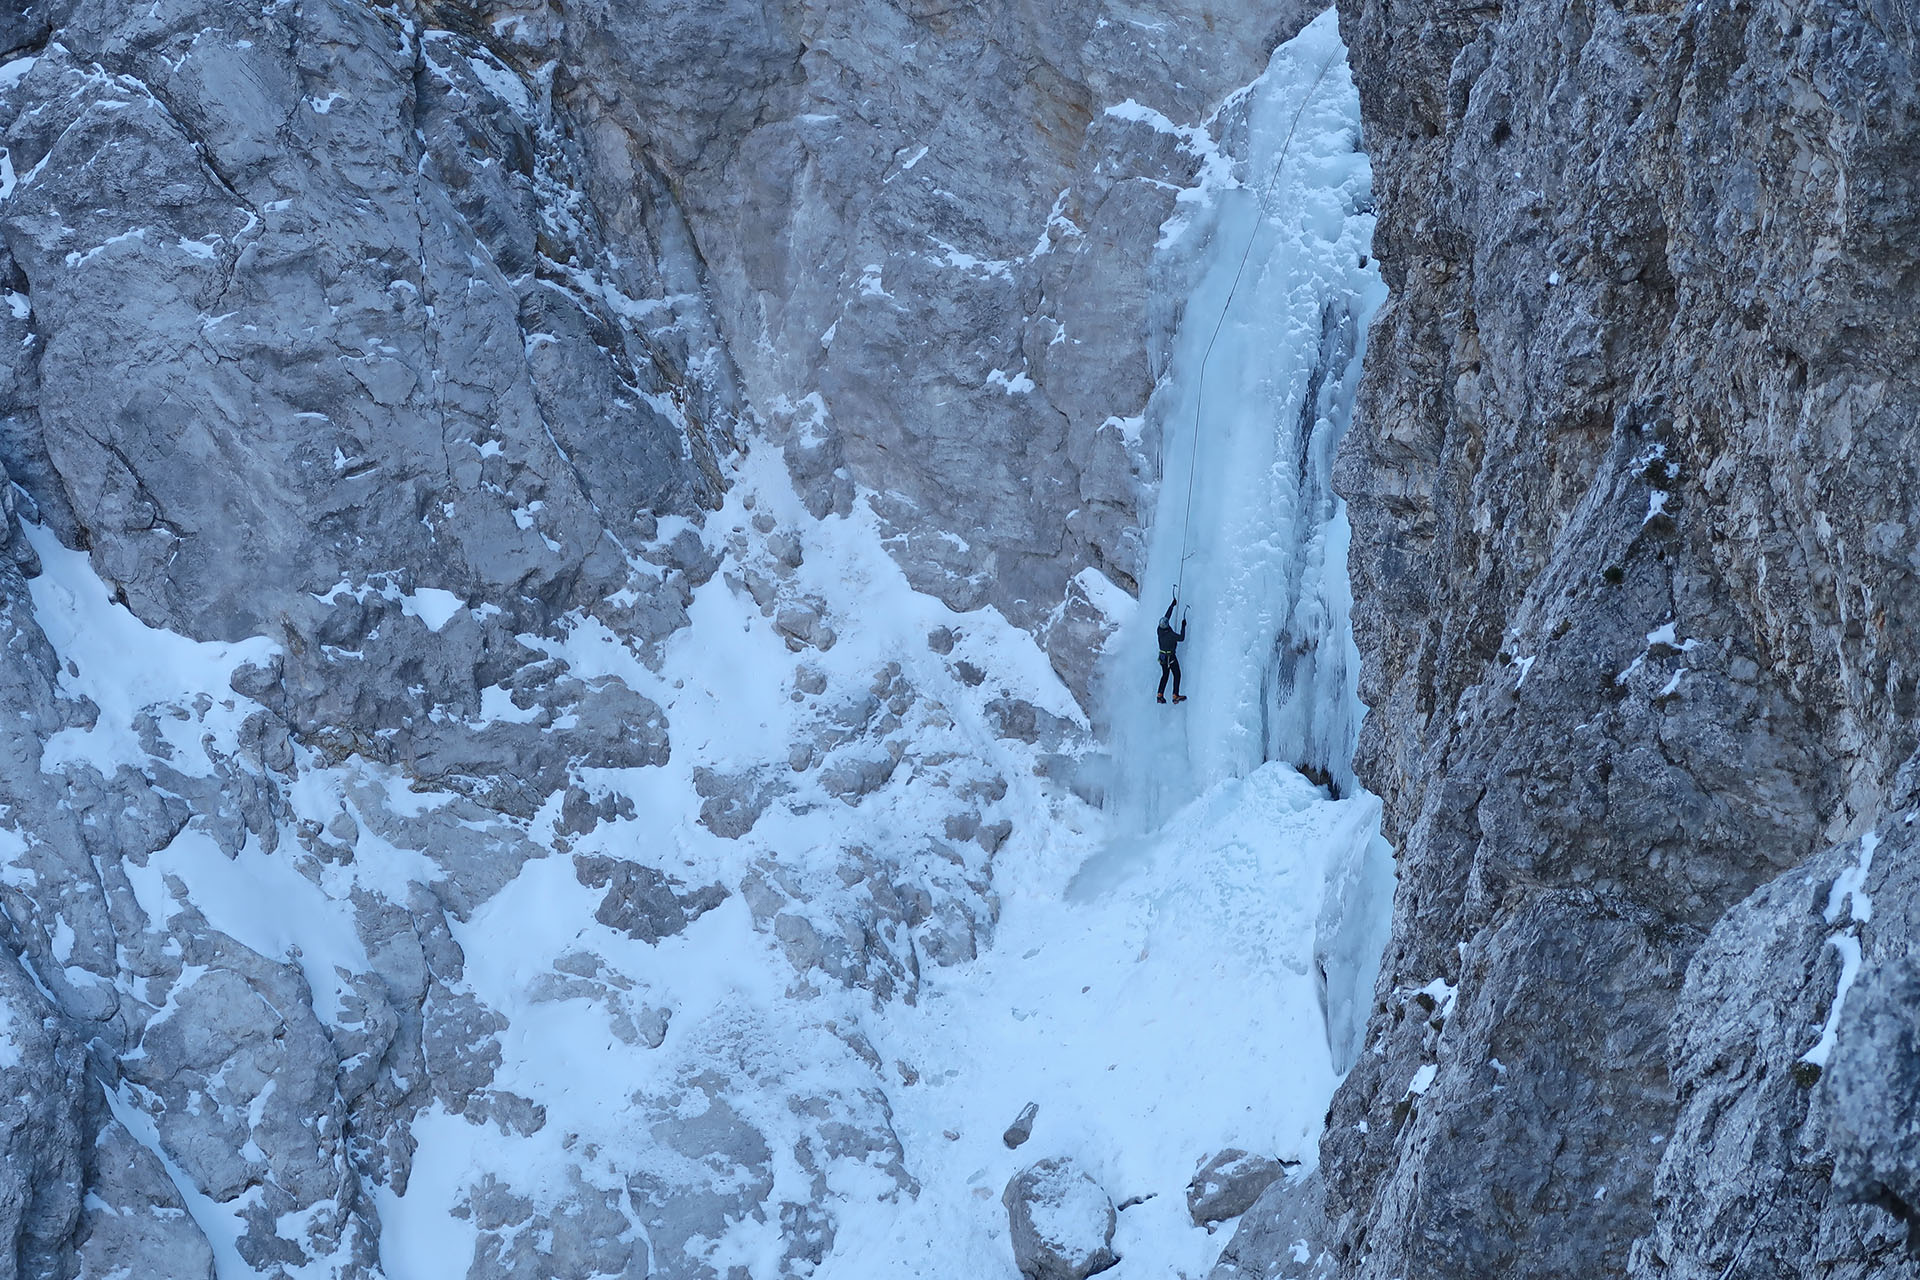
<point x="536" y="529"/>
<point x="1632" y="490"/>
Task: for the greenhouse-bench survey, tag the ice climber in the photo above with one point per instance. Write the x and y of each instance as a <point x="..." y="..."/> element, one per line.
<point x="1170" y="653"/>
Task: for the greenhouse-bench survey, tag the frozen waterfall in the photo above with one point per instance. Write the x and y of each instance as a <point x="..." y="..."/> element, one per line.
<point x="1258" y="394"/>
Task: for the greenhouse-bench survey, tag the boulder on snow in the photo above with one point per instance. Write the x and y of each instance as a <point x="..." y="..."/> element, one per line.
<point x="1061" y="1222"/>
<point x="1022" y="1127"/>
<point x="641" y="902"/>
<point x="730" y="803"/>
<point x="1226" y="1185"/>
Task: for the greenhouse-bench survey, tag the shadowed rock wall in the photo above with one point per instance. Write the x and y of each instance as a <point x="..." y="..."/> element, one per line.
<point x="1632" y="488"/>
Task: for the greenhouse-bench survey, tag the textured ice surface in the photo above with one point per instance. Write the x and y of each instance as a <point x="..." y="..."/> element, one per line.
<point x="1247" y="525"/>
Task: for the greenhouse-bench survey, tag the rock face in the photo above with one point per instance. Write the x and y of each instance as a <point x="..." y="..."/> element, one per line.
<point x="1789" y="1055"/>
<point x="1875" y="1090"/>
<point x="941" y="293"/>
<point x="229" y="372"/>
<point x="1283" y="1236"/>
<point x="44" y="1069"/>
<point x="1635" y="591"/>
<point x="1061" y="1222"/>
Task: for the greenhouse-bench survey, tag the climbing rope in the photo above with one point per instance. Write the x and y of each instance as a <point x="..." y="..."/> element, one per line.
<point x="1200" y="395"/>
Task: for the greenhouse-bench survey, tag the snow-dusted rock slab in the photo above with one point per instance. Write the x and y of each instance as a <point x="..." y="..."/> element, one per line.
<point x="1282" y="1236"/>
<point x="1875" y="1091"/>
<point x="1226" y="1185"/>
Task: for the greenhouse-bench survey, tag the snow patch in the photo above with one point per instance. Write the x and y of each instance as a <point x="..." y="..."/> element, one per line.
<point x="14" y="71"/>
<point x="1443" y="994"/>
<point x="1849" y="948"/>
<point x="960" y="260"/>
<point x="1848" y="895"/>
<point x="1847" y="898"/>
<point x="501" y="82"/>
<point x="78" y="259"/>
<point x="432" y="605"/>
<point x="305" y="926"/>
<point x="126" y="667"/>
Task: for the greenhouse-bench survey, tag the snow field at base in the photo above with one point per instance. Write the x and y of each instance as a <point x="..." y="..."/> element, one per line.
<point x="1156" y="996"/>
<point x="1199" y="1025"/>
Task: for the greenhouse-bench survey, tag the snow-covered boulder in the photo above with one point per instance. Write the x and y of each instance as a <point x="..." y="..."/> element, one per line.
<point x="1061" y="1222"/>
<point x="1226" y="1185"/>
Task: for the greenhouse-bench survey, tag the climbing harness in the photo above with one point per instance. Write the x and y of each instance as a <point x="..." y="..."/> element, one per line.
<point x="1200" y="395"/>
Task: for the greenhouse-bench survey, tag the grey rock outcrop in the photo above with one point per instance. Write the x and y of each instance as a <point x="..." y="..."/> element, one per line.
<point x="644" y="903"/>
<point x="43" y="1072"/>
<point x="1061" y="1222"/>
<point x="1635" y="600"/>
<point x="1284" y="1235"/>
<point x="134" y="1214"/>
<point x="1874" y="1089"/>
<point x="1788" y="1055"/>
<point x="589" y="1234"/>
<point x="420" y="349"/>
<point x="1227" y="1184"/>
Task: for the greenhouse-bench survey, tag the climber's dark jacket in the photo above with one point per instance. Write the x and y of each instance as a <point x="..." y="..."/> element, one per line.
<point x="1168" y="636"/>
